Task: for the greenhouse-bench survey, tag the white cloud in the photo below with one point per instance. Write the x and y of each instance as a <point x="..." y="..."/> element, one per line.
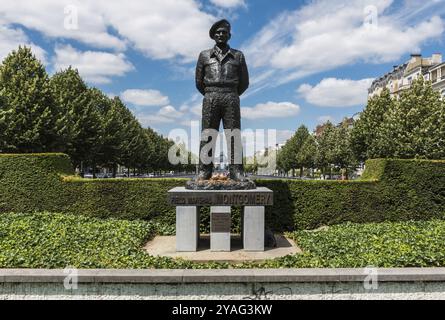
<point x="160" y="29"/>
<point x="12" y="38"/>
<point x="94" y="66"/>
<point x="271" y="110"/>
<point x="228" y="3"/>
<point x="170" y="112"/>
<point x="332" y="92"/>
<point x="167" y="114"/>
<point x="283" y="136"/>
<point x="192" y="109"/>
<point x="197" y="110"/>
<point x="144" y="97"/>
<point x="324" y="35"/>
<point x="153" y="119"/>
<point x="49" y="17"/>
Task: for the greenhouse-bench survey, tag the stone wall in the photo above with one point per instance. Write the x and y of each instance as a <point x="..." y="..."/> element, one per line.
<point x="255" y="284"/>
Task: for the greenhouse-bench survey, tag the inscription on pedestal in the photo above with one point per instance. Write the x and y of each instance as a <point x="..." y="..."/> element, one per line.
<point x="220" y="201"/>
<point x="220" y="222"/>
<point x="257" y="197"/>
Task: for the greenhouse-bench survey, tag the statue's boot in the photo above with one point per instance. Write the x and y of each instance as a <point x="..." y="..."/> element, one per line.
<point x="237" y="173"/>
<point x="205" y="173"/>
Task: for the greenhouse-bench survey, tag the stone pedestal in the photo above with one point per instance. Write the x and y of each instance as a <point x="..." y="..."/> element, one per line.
<point x="220" y="222"/>
<point x="187" y="229"/>
<point x="253" y="228"/>
<point x="187" y="204"/>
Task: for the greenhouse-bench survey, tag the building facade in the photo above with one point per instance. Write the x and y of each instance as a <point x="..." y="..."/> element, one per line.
<point x="400" y="78"/>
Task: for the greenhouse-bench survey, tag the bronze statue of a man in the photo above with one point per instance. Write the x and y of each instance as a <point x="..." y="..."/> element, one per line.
<point x="222" y="76"/>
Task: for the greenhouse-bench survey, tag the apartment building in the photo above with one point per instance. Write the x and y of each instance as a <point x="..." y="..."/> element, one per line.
<point x="401" y="77"/>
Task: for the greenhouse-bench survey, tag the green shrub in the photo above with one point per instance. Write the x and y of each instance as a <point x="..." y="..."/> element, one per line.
<point x="48" y="240"/>
<point x="349" y="245"/>
<point x="51" y="240"/>
<point x="32" y="182"/>
<point x="390" y="190"/>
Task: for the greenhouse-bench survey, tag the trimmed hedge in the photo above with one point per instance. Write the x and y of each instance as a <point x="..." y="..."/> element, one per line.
<point x="33" y="182"/>
<point x="394" y="190"/>
<point x="390" y="190"/>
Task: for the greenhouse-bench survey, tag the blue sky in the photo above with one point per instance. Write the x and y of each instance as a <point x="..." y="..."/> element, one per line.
<point x="309" y="61"/>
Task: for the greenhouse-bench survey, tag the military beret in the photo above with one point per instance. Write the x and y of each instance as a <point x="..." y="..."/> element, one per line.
<point x="216" y="25"/>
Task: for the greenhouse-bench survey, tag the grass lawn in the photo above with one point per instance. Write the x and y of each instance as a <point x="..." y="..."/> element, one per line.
<point x="49" y="240"/>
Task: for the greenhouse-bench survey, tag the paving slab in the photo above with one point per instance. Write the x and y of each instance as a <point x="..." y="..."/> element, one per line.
<point x="165" y="246"/>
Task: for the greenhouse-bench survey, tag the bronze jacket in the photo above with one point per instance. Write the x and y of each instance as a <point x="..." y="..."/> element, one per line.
<point x="215" y="69"/>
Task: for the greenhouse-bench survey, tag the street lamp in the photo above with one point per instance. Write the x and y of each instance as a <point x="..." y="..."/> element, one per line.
<point x="276" y="158"/>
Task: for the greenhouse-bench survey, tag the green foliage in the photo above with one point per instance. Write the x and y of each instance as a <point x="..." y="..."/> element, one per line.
<point x="82" y="130"/>
<point x="63" y="114"/>
<point x="388" y="244"/>
<point x="412" y="126"/>
<point x="32" y="182"/>
<point x="306" y="156"/>
<point x="416" y="123"/>
<point x="367" y="140"/>
<point x="158" y="159"/>
<point x="29" y="121"/>
<point x="325" y="144"/>
<point x="341" y="154"/>
<point x="47" y="240"/>
<point x="393" y="190"/>
<point x="50" y="240"/>
<point x="288" y="158"/>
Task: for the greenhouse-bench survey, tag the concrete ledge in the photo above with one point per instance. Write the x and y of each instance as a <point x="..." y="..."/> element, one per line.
<point x="155" y="276"/>
<point x="165" y="246"/>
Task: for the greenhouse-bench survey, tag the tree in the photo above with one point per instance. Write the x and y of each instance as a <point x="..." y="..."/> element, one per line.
<point x="155" y="158"/>
<point x="250" y="164"/>
<point x="81" y="122"/>
<point x="287" y="158"/>
<point x="341" y="154"/>
<point x="367" y="138"/>
<point x="3" y="125"/>
<point x="297" y="143"/>
<point x="410" y="127"/>
<point x="325" y="143"/>
<point x="29" y="120"/>
<point x="113" y="135"/>
<point x="100" y="105"/>
<point x="414" y="126"/>
<point x="283" y="160"/>
<point x="306" y="156"/>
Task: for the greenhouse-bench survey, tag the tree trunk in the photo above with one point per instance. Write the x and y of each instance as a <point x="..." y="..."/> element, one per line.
<point x="344" y="174"/>
<point x="114" y="170"/>
<point x="94" y="169"/>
